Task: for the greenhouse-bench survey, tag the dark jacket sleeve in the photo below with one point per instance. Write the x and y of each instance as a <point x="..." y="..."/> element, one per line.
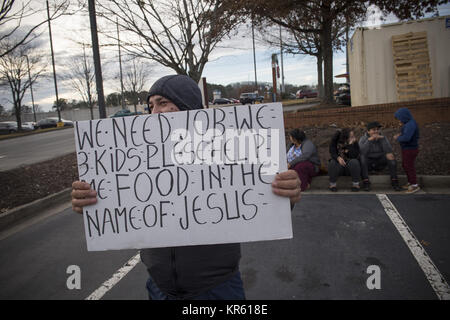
<point x="333" y="146"/>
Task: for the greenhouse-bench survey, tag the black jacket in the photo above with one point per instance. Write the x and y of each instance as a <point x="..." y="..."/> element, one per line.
<point x="344" y="150"/>
<point x="184" y="272"/>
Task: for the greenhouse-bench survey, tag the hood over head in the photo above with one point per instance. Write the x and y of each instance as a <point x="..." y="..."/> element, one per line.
<point x="403" y="114"/>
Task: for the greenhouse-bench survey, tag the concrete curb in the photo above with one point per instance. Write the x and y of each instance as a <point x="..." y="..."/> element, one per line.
<point x="33" y="209"/>
<point x="384" y="182"/>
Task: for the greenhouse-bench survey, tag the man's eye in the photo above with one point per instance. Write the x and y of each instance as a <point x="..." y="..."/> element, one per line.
<point x="163" y="103"/>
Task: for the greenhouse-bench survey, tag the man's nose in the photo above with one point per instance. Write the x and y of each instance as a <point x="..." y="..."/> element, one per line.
<point x="156" y="110"/>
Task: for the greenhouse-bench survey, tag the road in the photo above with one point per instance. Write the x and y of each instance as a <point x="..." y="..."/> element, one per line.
<point x="35" y="148"/>
<point x="336" y="239"/>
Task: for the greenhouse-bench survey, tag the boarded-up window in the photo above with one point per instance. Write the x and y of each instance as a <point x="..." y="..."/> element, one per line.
<point x="412" y="66"/>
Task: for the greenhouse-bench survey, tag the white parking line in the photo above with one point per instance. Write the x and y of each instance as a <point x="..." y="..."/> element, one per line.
<point x="435" y="278"/>
<point x="116" y="277"/>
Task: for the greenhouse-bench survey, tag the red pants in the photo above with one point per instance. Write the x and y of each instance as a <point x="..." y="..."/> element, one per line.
<point x="306" y="172"/>
<point x="408" y="159"/>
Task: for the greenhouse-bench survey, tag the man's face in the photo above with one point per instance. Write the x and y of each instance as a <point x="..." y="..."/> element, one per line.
<point x="374" y="131"/>
<point x="159" y="104"/>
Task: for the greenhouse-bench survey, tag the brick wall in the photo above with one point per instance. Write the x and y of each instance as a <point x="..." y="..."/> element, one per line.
<point x="424" y="112"/>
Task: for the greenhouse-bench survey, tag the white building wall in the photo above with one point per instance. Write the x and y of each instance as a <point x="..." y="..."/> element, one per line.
<point x="372" y="73"/>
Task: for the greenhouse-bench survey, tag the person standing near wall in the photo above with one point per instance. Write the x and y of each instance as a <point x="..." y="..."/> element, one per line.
<point x="409" y="142"/>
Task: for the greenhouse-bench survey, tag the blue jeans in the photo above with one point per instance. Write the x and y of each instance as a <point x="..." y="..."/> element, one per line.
<point x="232" y="289"/>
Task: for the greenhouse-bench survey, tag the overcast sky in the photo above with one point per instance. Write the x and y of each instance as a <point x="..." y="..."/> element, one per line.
<point x="231" y="62"/>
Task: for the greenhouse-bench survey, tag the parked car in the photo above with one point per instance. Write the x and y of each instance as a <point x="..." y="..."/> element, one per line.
<point x="306" y="93"/>
<point x="28" y="126"/>
<point x="7" y="127"/>
<point x="124" y="113"/>
<point x="250" y="98"/>
<point x="222" y="101"/>
<point x="52" y="122"/>
<point x="233" y="100"/>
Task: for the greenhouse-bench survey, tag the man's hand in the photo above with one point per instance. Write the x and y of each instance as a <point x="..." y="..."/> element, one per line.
<point x="375" y="136"/>
<point x="82" y="195"/>
<point x="287" y="184"/>
<point x="341" y="161"/>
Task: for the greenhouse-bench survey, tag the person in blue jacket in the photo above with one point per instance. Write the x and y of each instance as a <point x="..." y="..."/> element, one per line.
<point x="409" y="142"/>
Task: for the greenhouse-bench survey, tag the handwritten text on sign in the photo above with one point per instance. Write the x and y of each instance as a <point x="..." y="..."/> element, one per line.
<point x="184" y="178"/>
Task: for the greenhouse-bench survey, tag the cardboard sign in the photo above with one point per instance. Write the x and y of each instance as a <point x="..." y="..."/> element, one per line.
<point x="184" y="178"/>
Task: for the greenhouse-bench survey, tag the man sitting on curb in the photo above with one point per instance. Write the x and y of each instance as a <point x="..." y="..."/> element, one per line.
<point x="376" y="154"/>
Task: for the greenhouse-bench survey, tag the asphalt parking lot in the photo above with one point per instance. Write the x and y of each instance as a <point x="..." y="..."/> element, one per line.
<point x="337" y="237"/>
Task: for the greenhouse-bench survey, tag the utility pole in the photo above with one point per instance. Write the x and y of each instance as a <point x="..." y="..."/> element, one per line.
<point x="53" y="63"/>
<point x="347" y="69"/>
<point x="31" y="89"/>
<point x="254" y="55"/>
<point x="282" y="66"/>
<point x="120" y="66"/>
<point x="274" y="77"/>
<point x="97" y="63"/>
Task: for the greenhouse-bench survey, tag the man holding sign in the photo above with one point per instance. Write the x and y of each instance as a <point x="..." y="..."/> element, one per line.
<point x="186" y="271"/>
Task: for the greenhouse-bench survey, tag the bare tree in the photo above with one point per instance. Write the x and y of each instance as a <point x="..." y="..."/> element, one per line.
<point x="135" y="79"/>
<point x="81" y="76"/>
<point x="15" y="71"/>
<point x="12" y="14"/>
<point x="178" y="34"/>
<point x="298" y="15"/>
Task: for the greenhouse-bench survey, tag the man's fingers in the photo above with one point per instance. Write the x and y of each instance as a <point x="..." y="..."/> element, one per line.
<point x="83" y="202"/>
<point x="289" y="193"/>
<point x="81" y="185"/>
<point x="286" y="184"/>
<point x="81" y="194"/>
<point x="286" y="175"/>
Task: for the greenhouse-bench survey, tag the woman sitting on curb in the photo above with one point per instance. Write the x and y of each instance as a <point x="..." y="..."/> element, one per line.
<point x="303" y="158"/>
<point x="344" y="151"/>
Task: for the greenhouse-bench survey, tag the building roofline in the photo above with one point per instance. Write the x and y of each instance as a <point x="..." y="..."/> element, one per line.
<point x="402" y="22"/>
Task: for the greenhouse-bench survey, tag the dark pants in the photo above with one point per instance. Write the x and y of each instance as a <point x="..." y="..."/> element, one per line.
<point x="352" y="168"/>
<point x="408" y="159"/>
<point x="377" y="164"/>
<point x="306" y="171"/>
<point x="232" y="289"/>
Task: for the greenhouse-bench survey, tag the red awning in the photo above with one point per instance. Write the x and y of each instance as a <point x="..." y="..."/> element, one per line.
<point x="344" y="75"/>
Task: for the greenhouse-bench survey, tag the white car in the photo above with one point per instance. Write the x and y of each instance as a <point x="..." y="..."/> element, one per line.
<point x="28" y="126"/>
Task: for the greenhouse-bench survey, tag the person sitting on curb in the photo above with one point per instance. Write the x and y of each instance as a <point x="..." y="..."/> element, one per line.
<point x="344" y="152"/>
<point x="409" y="142"/>
<point x="303" y="158"/>
<point x="206" y="272"/>
<point x="376" y="154"/>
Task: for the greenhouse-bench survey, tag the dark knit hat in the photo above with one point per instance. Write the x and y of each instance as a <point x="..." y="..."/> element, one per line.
<point x="180" y="89"/>
<point x="374" y="124"/>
